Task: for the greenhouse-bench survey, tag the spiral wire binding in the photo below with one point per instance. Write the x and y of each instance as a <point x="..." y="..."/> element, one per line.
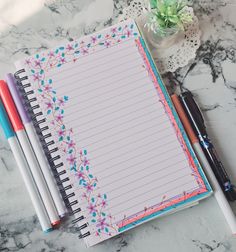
<point x="49" y="148"/>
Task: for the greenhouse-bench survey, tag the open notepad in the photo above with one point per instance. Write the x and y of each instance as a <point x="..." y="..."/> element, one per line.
<point x="114" y="137"/>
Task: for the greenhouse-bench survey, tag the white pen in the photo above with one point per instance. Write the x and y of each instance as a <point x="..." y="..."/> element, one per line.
<point x="218" y="193"/>
<point x="58" y="201"/>
<point x="29" y="153"/>
<point x="25" y="171"/>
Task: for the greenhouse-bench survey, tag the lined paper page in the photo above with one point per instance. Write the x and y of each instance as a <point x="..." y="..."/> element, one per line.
<point x="116" y="115"/>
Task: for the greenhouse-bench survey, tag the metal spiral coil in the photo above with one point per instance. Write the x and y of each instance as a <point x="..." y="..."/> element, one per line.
<point x="46" y="142"/>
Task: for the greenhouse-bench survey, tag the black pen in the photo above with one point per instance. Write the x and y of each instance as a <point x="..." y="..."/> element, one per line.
<point x="194" y="114"/>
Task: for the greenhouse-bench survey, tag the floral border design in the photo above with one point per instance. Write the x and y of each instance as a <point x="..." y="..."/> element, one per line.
<point x="204" y="187"/>
<point x="77" y="160"/>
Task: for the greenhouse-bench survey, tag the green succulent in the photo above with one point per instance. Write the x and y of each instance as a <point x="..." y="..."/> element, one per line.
<point x="167" y="14"/>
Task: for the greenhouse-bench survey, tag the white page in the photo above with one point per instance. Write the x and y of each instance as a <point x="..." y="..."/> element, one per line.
<point x="116" y="115"/>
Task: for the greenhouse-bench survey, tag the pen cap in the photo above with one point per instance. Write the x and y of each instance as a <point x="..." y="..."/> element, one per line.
<point x="11" y="82"/>
<point x="10" y="106"/>
<point x="5" y="122"/>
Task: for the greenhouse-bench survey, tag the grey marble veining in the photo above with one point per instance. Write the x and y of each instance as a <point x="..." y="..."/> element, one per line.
<point x="211" y="76"/>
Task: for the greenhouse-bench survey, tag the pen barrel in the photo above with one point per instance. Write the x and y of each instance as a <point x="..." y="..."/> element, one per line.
<point x="30" y="184"/>
<point x="198" y="126"/>
<point x="218" y="193"/>
<point x="48" y="175"/>
<point x="38" y="176"/>
<point x="220" y="173"/>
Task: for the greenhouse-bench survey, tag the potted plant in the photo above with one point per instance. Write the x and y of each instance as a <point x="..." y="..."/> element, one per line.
<point x="165" y="21"/>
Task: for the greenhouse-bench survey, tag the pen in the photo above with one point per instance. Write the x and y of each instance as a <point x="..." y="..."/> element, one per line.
<point x="218" y="193"/>
<point x="36" y="146"/>
<point x="25" y="171"/>
<point x="28" y="152"/>
<point x="197" y="122"/>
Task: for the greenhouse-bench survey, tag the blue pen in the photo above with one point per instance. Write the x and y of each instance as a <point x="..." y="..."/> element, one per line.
<point x="25" y="171"/>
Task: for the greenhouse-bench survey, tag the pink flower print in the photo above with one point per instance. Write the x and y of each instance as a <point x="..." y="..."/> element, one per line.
<point x="84" y="51"/>
<point x="49" y="105"/>
<point x="89" y="188"/>
<point x="36" y="77"/>
<point x="27" y="62"/>
<point x="101" y="223"/>
<point x="97" y="234"/>
<point x="107" y="36"/>
<point x="51" y="54"/>
<point x="93" y="39"/>
<point x="107" y="43"/>
<point x="71" y="130"/>
<point x="86" y="161"/>
<point x="63" y="60"/>
<point x="69" y="47"/>
<point x="71" y="159"/>
<point x="104" y="203"/>
<point x="118" y="41"/>
<point x="91" y="208"/>
<point x="84" y="195"/>
<point x="129" y="33"/>
<point x="61" y="102"/>
<point x="114" y="30"/>
<point x="61" y="133"/>
<point x="99" y="195"/>
<point x="80" y="175"/>
<point x="59" y="117"/>
<point x="71" y="144"/>
<point x="47" y="88"/>
<point x="82" y="42"/>
<point x="37" y="63"/>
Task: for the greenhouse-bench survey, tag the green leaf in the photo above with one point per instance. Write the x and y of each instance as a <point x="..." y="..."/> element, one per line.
<point x="153" y="3"/>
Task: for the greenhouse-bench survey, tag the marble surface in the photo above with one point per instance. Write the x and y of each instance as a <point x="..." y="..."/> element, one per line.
<point x="27" y="27"/>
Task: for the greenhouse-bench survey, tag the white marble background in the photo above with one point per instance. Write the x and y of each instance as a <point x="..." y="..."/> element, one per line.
<point x="27" y="27"/>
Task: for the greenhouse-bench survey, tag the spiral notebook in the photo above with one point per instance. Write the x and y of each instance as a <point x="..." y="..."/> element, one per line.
<point x="110" y="132"/>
